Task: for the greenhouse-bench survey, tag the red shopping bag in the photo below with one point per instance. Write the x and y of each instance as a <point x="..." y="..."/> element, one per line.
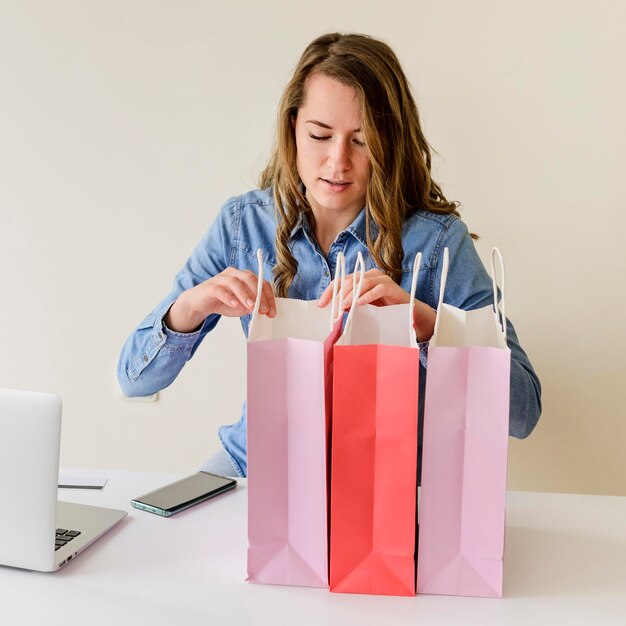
<point x="464" y="458"/>
<point x="374" y="450"/>
<point x="289" y="387"/>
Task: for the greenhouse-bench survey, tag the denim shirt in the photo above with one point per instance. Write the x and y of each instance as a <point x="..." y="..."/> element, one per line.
<point x="154" y="355"/>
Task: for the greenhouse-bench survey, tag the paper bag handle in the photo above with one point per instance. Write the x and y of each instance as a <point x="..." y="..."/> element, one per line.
<point x="336" y="310"/>
<point x="501" y="322"/>
<point x="259" y="282"/>
<point x="357" y="284"/>
<point x="340" y="273"/>
<point x="259" y="290"/>
<point x="417" y="262"/>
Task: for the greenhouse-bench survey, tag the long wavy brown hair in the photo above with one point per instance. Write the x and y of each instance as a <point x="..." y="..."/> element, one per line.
<point x="400" y="180"/>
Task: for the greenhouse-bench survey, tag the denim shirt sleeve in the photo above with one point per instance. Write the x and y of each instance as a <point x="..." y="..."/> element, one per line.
<point x="469" y="287"/>
<point x="153" y="355"/>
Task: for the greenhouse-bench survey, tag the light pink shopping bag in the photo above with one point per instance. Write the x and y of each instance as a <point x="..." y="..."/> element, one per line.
<point x="289" y="387"/>
<point x="464" y="454"/>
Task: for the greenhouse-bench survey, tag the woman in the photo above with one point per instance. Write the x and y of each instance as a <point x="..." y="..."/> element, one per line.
<point x="350" y="173"/>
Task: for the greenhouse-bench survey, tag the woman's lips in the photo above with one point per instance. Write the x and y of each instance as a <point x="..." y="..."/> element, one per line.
<point x="336" y="185"/>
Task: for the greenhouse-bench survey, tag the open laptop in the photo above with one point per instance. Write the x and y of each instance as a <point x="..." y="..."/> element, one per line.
<point x="31" y="517"/>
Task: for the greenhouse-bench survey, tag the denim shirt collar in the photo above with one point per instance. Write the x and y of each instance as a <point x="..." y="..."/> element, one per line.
<point x="357" y="229"/>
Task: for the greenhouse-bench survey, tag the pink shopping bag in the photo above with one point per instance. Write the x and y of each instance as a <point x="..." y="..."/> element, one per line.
<point x="289" y="392"/>
<point x="465" y="445"/>
<point x="374" y="450"/>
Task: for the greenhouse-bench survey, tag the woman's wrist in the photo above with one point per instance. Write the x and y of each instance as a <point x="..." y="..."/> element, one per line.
<point x="424" y="321"/>
<point x="181" y="318"/>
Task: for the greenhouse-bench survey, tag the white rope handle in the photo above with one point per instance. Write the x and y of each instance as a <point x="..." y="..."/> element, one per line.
<point x="336" y="310"/>
<point x="357" y="284"/>
<point x="416" y="268"/>
<point x="259" y="284"/>
<point x="498" y="310"/>
<point x="259" y="291"/>
<point x="338" y="289"/>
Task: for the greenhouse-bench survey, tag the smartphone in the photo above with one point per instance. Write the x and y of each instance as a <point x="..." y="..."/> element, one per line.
<point x="184" y="493"/>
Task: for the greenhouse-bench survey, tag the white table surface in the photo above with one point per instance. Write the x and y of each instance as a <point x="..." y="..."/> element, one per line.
<point x="565" y="563"/>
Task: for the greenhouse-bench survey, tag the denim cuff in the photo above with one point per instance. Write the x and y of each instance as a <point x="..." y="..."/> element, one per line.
<point x="151" y="349"/>
<point x="172" y="337"/>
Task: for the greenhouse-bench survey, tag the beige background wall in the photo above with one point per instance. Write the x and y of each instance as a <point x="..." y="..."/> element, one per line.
<point x="125" y="125"/>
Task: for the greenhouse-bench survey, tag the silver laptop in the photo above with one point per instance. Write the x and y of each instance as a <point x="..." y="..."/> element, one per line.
<point x="31" y="518"/>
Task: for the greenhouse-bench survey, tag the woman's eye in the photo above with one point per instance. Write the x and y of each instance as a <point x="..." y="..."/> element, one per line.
<point x="355" y="141"/>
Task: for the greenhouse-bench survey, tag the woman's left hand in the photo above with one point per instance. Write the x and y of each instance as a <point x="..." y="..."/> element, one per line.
<point x="379" y="289"/>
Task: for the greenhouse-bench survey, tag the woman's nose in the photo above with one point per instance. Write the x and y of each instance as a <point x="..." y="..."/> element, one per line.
<point x="339" y="156"/>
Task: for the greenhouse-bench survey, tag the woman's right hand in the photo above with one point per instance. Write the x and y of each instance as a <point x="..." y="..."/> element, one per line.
<point x="231" y="293"/>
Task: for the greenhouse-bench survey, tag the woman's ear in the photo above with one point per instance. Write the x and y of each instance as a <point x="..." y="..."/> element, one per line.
<point x="292" y="117"/>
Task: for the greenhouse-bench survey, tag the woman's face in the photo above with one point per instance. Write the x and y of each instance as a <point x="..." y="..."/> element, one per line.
<point x="332" y="159"/>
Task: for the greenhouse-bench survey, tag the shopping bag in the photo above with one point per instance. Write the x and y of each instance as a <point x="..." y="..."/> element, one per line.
<point x="465" y="445"/>
<point x="374" y="449"/>
<point x="289" y="387"/>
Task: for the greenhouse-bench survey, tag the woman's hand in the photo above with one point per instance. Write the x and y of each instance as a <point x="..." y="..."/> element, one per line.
<point x="231" y="293"/>
<point x="377" y="289"/>
<point x="380" y="290"/>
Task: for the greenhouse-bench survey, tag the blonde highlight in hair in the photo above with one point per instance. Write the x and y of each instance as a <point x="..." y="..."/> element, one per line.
<point x="400" y="181"/>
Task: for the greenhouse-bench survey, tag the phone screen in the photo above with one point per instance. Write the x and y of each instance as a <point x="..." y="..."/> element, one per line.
<point x="185" y="492"/>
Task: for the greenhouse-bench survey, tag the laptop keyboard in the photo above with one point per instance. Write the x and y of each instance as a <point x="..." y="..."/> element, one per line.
<point x="63" y="536"/>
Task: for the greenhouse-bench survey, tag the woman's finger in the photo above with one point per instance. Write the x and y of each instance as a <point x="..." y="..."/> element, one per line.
<point x="240" y="289"/>
<point x="225" y="295"/>
<point x="377" y="292"/>
<point x="268" y="301"/>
